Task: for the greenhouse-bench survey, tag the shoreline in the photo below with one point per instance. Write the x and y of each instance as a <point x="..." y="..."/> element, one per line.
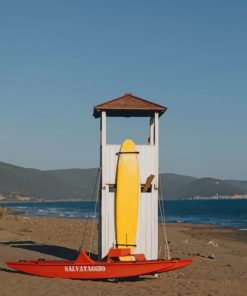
<point x="90" y="200"/>
<point x="181" y="222"/>
<point x="44" y="201"/>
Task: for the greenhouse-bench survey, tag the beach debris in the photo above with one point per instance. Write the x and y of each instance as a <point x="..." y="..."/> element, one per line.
<point x="213" y="243"/>
<point x="175" y="274"/>
<point x="26" y="218"/>
<point x="212" y="257"/>
<point x="26" y="230"/>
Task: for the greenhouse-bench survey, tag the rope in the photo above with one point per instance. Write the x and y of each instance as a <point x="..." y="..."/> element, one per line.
<point x="93" y="195"/>
<point x="162" y="212"/>
<point x="95" y="209"/>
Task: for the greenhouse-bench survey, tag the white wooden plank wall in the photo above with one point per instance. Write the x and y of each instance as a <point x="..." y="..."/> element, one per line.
<point x="147" y="233"/>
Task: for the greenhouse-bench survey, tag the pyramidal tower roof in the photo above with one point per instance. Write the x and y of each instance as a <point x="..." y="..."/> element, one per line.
<point x="128" y="105"/>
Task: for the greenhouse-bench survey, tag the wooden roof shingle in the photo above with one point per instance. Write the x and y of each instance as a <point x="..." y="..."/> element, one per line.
<point x="128" y="105"/>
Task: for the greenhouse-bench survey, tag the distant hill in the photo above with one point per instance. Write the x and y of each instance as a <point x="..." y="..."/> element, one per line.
<point x="240" y="184"/>
<point x="174" y="185"/>
<point x="79" y="184"/>
<point x="56" y="184"/>
<point x="207" y="187"/>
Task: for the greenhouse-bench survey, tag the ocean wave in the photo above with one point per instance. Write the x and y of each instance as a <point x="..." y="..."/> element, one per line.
<point x="222" y="212"/>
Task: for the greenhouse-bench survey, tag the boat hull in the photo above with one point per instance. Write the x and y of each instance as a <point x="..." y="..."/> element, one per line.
<point x="97" y="270"/>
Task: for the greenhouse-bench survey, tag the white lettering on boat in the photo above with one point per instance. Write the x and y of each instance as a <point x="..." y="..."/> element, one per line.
<point x="83" y="268"/>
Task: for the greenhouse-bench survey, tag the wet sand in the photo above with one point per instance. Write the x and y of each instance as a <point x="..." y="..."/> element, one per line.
<point x="219" y="254"/>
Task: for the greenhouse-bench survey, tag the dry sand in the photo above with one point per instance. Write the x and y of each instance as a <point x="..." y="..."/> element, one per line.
<point x="40" y="237"/>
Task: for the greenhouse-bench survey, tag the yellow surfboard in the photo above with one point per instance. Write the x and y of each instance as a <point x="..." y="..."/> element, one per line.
<point x="127" y="196"/>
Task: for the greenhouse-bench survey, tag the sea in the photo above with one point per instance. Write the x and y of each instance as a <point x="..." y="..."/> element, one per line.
<point x="227" y="212"/>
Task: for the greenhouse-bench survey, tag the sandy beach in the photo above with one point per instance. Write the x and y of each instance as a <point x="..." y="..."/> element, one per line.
<point x="219" y="254"/>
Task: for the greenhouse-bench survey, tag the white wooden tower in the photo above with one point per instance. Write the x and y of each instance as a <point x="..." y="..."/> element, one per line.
<point x="147" y="231"/>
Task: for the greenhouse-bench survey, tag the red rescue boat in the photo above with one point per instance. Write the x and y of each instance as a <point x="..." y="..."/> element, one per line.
<point x="109" y="268"/>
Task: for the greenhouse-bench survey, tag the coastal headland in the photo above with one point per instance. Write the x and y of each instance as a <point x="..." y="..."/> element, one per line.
<point x="25" y="184"/>
<point x="219" y="255"/>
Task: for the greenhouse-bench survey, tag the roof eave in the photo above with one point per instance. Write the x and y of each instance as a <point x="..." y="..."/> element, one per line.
<point x="128" y="112"/>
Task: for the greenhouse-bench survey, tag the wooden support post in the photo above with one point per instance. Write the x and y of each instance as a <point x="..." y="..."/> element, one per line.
<point x="151" y="133"/>
<point x="102" y="223"/>
<point x="103" y="144"/>
<point x="156" y="129"/>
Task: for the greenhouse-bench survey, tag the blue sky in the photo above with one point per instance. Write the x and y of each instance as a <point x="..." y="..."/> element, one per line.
<point x="60" y="58"/>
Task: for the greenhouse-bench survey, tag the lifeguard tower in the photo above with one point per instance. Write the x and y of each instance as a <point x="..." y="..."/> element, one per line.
<point x="129" y="105"/>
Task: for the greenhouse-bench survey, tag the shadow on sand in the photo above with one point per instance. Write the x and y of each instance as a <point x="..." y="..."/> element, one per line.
<point x="53" y="250"/>
<point x="10" y="270"/>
